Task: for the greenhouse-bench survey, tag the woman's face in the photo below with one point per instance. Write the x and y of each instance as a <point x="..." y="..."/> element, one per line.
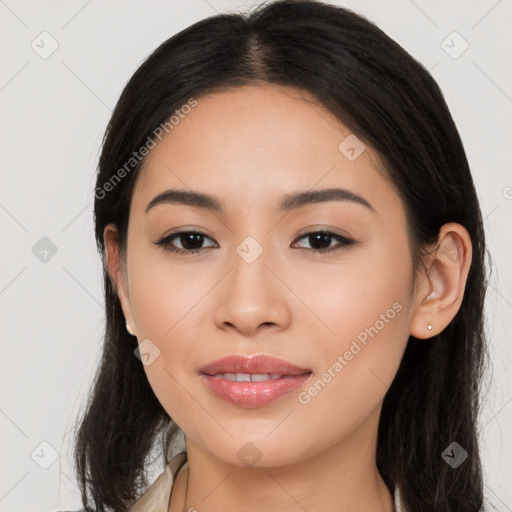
<point x="257" y="287"/>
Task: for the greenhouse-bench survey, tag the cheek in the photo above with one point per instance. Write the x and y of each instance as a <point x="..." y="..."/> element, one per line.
<point x="359" y="363"/>
<point x="367" y="288"/>
<point x="364" y="311"/>
<point x="164" y="294"/>
<point x="164" y="300"/>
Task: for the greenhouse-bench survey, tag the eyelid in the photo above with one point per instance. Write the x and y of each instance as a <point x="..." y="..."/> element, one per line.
<point x="314" y="228"/>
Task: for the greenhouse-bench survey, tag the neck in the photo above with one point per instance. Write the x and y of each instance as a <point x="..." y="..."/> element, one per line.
<point x="340" y="477"/>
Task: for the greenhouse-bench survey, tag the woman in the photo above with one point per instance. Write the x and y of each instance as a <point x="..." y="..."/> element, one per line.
<point x="294" y="270"/>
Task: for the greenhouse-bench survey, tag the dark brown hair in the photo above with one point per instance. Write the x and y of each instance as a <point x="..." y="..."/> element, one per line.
<point x="392" y="103"/>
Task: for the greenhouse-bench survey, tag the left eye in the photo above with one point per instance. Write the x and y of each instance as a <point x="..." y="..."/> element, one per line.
<point x="190" y="240"/>
<point x="322" y="238"/>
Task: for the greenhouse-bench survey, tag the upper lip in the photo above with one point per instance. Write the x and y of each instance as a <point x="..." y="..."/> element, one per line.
<point x="252" y="365"/>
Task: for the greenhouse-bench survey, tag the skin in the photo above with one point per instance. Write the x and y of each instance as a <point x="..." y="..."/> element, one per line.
<point x="249" y="146"/>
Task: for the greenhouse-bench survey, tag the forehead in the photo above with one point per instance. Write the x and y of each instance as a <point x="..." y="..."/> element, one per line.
<point x="251" y="144"/>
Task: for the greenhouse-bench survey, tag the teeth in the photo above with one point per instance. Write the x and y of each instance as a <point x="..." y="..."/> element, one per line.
<point x="264" y="376"/>
<point x="248" y="377"/>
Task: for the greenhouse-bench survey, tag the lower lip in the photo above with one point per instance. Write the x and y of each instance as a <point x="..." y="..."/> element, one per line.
<point x="254" y="394"/>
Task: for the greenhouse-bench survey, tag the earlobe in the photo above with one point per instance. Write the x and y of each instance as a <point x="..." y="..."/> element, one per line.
<point x="440" y="295"/>
<point x="429" y="326"/>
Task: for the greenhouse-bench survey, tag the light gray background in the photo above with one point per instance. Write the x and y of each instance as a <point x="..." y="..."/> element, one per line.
<point x="54" y="112"/>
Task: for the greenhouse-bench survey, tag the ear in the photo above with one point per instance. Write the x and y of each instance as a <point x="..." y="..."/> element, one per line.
<point x="117" y="272"/>
<point x="440" y="293"/>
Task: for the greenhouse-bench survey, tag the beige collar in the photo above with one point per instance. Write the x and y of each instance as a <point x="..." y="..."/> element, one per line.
<point x="158" y="494"/>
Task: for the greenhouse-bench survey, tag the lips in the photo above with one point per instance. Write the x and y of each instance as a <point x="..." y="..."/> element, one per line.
<point x="252" y="382"/>
<point x="260" y="364"/>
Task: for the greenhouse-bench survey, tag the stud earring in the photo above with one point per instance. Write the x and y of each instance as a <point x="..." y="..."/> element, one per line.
<point x="428" y="298"/>
<point x="129" y="330"/>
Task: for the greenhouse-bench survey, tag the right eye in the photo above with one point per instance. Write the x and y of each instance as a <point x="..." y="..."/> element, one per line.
<point x="190" y="240"/>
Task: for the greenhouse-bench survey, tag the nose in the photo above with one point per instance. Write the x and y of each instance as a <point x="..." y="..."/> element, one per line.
<point x="252" y="297"/>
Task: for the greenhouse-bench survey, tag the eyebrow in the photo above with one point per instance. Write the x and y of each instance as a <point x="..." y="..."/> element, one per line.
<point x="289" y="202"/>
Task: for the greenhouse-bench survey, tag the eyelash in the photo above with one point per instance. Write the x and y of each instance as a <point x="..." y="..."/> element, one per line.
<point x="166" y="242"/>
